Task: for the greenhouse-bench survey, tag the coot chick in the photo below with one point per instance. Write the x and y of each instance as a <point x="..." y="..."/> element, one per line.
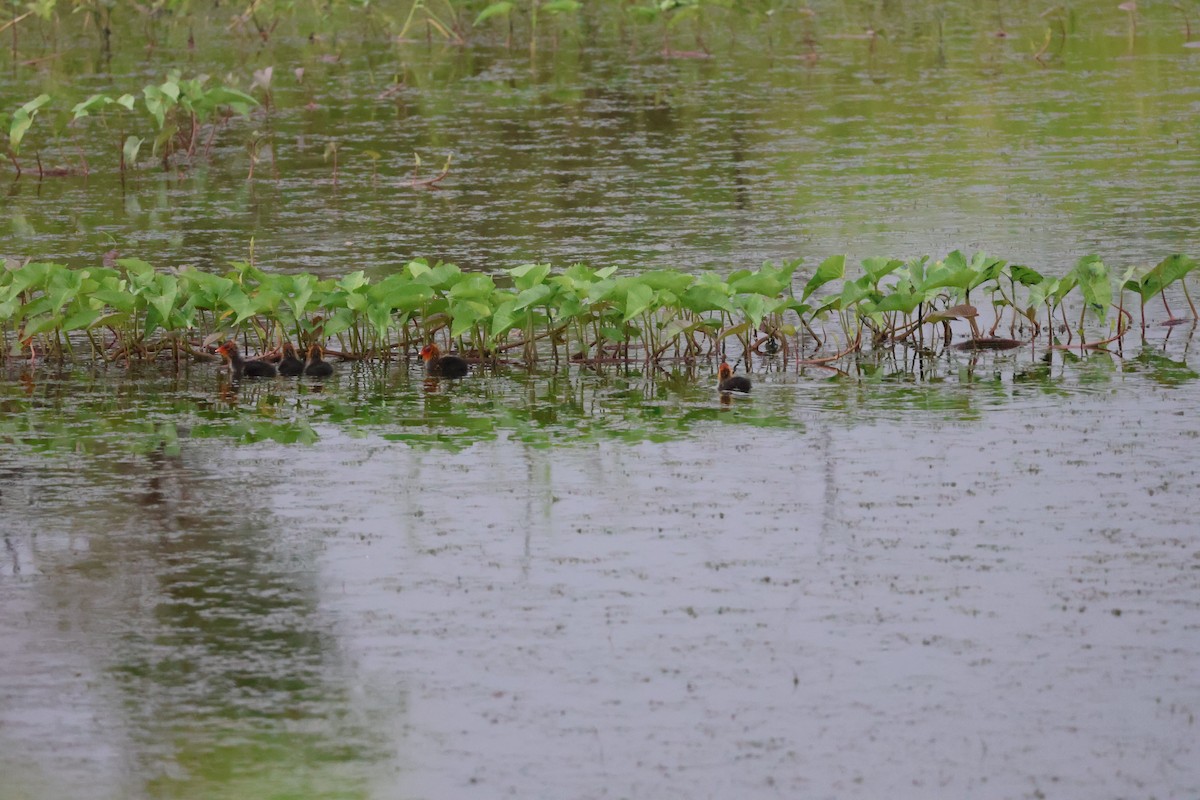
<point x="439" y="365"/>
<point x="730" y="382"/>
<point x="241" y="367"/>
<point x="317" y="368"/>
<point x="290" y="365"/>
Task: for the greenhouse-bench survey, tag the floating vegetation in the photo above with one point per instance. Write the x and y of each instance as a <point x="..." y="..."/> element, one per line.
<point x="531" y="314"/>
<point x="150" y="409"/>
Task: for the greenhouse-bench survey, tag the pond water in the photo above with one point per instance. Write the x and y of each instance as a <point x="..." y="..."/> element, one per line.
<point x="982" y="587"/>
<point x="919" y="143"/>
<point x="949" y="576"/>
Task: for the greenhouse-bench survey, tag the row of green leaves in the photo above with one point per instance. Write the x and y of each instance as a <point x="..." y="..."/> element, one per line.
<point x="593" y="312"/>
<point x="167" y="113"/>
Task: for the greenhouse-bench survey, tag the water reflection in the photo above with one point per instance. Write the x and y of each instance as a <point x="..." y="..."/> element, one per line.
<point x="234" y="644"/>
<point x="597" y="156"/>
<point x="199" y="613"/>
<point x="163" y="587"/>
<point x="149" y="411"/>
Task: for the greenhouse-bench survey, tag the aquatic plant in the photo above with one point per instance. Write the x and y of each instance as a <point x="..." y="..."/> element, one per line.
<point x="148" y="410"/>
<point x="669" y="15"/>
<point x="171" y="114"/>
<point x="132" y="311"/>
<point x="443" y="19"/>
<point x="504" y="9"/>
<point x="19" y="123"/>
<point x="1156" y="280"/>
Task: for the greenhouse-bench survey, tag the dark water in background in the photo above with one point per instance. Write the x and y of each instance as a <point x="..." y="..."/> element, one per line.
<point x="967" y="577"/>
<point x="610" y="154"/>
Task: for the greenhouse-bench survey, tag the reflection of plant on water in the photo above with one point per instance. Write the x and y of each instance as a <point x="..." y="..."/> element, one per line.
<point x="150" y="408"/>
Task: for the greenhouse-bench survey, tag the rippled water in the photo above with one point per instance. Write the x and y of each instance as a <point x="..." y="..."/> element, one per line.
<point x="976" y="584"/>
<point x="946" y="576"/>
<point x="613" y="155"/>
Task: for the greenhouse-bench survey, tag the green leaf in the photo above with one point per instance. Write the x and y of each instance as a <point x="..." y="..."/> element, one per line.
<point x="879" y="267"/>
<point x="405" y="297"/>
<point x="465" y="314"/>
<point x="1039" y="293"/>
<point x="495" y="9"/>
<point x="534" y="296"/>
<point x="380" y="317"/>
<point x="578" y="274"/>
<point x="763" y="282"/>
<point x="42" y="324"/>
<point x="702" y="298"/>
<point x="644" y="14"/>
<point x="164" y="137"/>
<point x="340" y="321"/>
<point x="1094" y="282"/>
<point x="569" y="307"/>
<point x="35" y="274"/>
<point x="353" y="281"/>
<point x="240" y="102"/>
<point x="130" y="150"/>
<point x="905" y="300"/>
<point x="22" y="120"/>
<point x="298" y="293"/>
<point x="207" y="289"/>
<point x="666" y="280"/>
<point x="830" y="269"/>
<point x="852" y="293"/>
<point x="986" y="269"/>
<point x="170" y="87"/>
<point x="473" y="287"/>
<point x="735" y="330"/>
<point x="611" y="334"/>
<point x="163" y="300"/>
<point x="956" y="273"/>
<point x="35" y="104"/>
<point x="637" y="300"/>
<point x="505" y="318"/>
<point x="527" y="276"/>
<point x="1167" y="271"/>
<point x="1065" y="285"/>
<point x="115" y="299"/>
<point x="357" y="301"/>
<point x="241" y="305"/>
<point x="417" y="267"/>
<point x="83" y="319"/>
<point x="442" y="277"/>
<point x="157" y="103"/>
<point x="752" y="306"/>
<point x="135" y="266"/>
<point x="1024" y="275"/>
<point x="84" y="108"/>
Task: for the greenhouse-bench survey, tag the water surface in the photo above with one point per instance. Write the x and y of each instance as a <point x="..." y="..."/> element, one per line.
<point x="797" y="593"/>
<point x="939" y="136"/>
<point x="950" y="576"/>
